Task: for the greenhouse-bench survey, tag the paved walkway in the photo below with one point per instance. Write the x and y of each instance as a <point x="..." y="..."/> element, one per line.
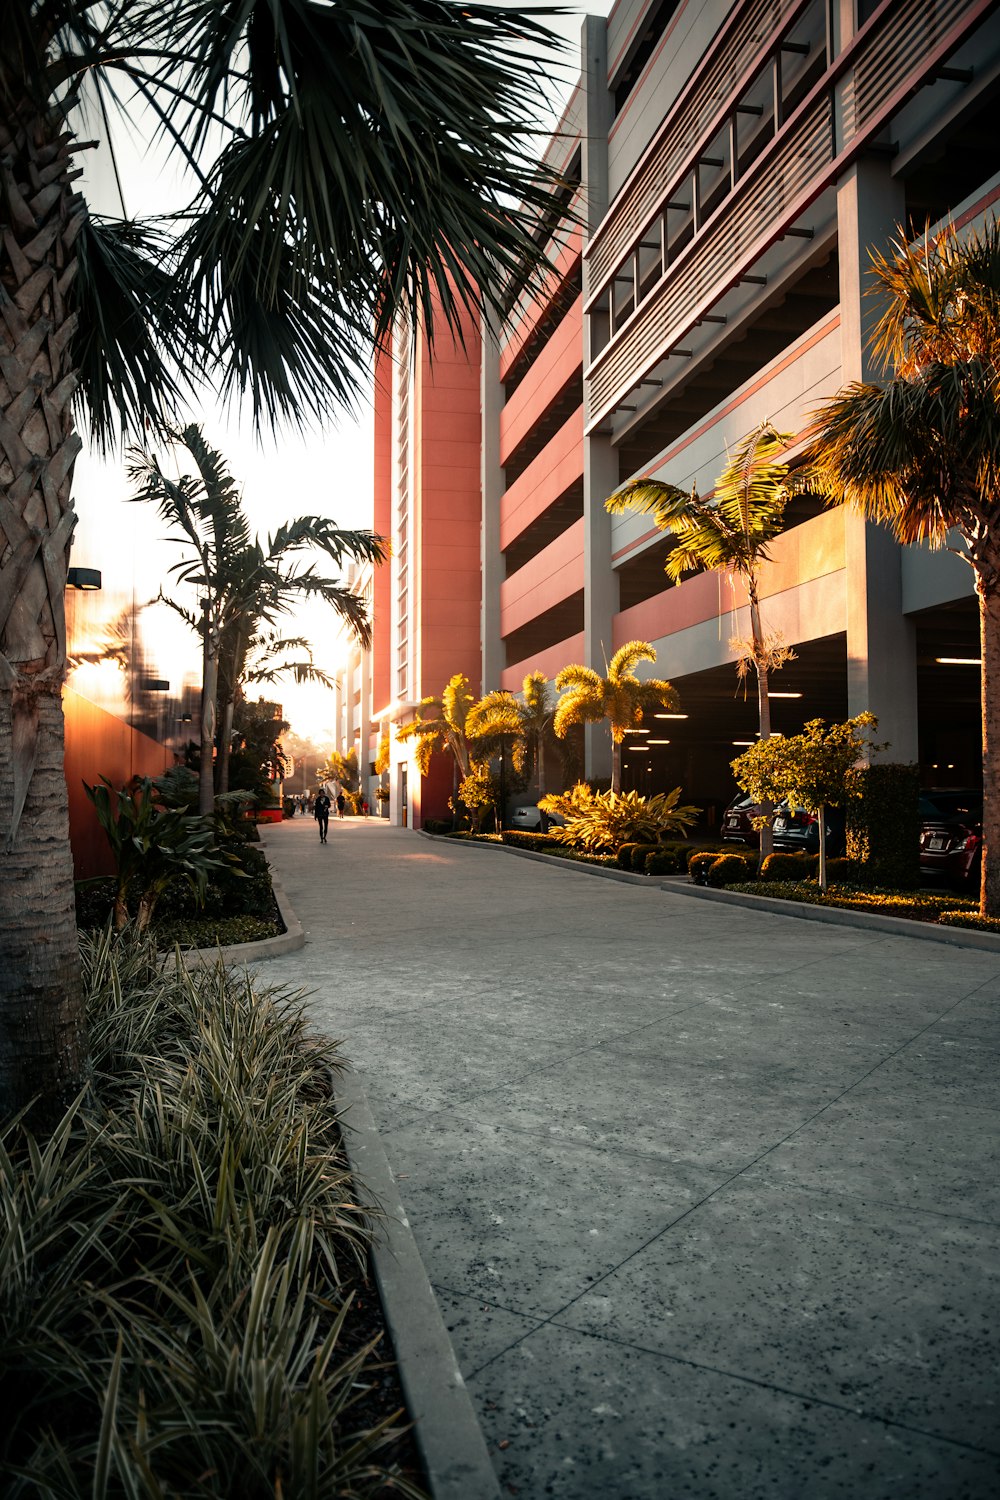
<point x="709" y="1197"/>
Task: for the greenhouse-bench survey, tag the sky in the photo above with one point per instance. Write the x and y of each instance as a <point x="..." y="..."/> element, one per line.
<point x="326" y="472"/>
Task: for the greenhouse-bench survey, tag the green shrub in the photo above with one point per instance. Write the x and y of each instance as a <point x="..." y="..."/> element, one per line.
<point x="661" y="862"/>
<point x="543" y="843"/>
<point x="786" y="867"/>
<point x="883" y="824"/>
<point x="188" y="1244"/>
<point x="639" y="854"/>
<point x="969" y="919"/>
<point x="845" y="871"/>
<point x="726" y="868"/>
<point x="437" y="825"/>
<point x="213" y="932"/>
<point x="700" y="863"/>
<point x="606" y="820"/>
<point x="623" y="854"/>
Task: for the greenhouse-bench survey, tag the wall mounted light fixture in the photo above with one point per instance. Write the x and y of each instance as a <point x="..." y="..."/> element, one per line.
<point x="83" y="578"/>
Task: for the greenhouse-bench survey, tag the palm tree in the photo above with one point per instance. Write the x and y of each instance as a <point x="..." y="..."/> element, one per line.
<point x="921" y="453"/>
<point x="729" y="531"/>
<point x="259" y="659"/>
<point x="377" y="161"/>
<point x="441" y="724"/>
<point x="524" y="722"/>
<point x="243" y="582"/>
<point x="619" y="697"/>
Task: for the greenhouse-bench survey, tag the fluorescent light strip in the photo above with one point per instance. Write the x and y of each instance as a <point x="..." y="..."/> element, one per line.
<point x="670" y="716"/>
<point x="784" y="695"/>
<point x="959" y="661"/>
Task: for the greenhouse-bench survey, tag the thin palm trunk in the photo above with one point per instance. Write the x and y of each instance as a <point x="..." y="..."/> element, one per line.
<point x="989" y="625"/>
<point x="616" y="765"/>
<point x="209" y="693"/>
<point x="763" y="707"/>
<point x="225" y="744"/>
<point x="42" y="1036"/>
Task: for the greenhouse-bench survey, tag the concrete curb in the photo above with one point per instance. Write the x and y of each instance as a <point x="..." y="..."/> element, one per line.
<point x="456" y="1460"/>
<point x="834" y="916"/>
<point x="843" y="916"/>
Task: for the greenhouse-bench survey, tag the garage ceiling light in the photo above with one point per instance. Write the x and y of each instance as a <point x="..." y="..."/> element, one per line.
<point x="784" y="695"/>
<point x="959" y="661"/>
<point x="670" y="716"/>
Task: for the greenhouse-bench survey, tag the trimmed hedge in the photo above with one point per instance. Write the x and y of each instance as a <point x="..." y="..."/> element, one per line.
<point x="787" y="867"/>
<point x="969" y="919"/>
<point x="437" y="825"/>
<point x="623" y="854"/>
<point x="660" y="862"/>
<point x="727" y="868"/>
<point x="640" y="853"/>
<point x="918" y="906"/>
<point x="542" y="843"/>
<point x="883" y="824"/>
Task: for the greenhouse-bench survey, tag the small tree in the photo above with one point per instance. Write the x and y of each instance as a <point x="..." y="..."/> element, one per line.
<point x="811" y="770"/>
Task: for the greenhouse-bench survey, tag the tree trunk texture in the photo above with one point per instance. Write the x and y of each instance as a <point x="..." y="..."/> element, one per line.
<point x="616" y="765"/>
<point x="225" y="746"/>
<point x="989" y="626"/>
<point x="42" y="1034"/>
<point x="209" y="691"/>
<point x="764" y="710"/>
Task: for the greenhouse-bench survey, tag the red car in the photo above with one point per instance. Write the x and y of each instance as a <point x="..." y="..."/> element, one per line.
<point x="951" y="836"/>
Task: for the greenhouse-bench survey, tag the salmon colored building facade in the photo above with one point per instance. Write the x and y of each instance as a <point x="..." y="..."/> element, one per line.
<point x="728" y="171"/>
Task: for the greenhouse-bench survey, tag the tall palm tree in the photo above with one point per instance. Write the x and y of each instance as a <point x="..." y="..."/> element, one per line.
<point x="921" y="453"/>
<point x="258" y="659"/>
<point x="525" y="721"/>
<point x="243" y="582"/>
<point x="620" y="697"/>
<point x="729" y="531"/>
<point x="377" y="160"/>
<point x="441" y="724"/>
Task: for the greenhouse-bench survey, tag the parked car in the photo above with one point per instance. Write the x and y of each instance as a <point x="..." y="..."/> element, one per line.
<point x="737" y="821"/>
<point x="951" y="835"/>
<point x="797" y="831"/>
<point x="532" y="819"/>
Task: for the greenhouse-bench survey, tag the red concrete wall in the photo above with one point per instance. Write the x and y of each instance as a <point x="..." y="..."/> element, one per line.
<point x="449" y="513"/>
<point x="99" y="743"/>
<point x="382" y="693"/>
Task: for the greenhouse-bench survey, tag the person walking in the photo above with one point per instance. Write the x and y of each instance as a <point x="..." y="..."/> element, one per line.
<point x="365" y="809"/>
<point x="341" y="803"/>
<point x="321" y="812"/>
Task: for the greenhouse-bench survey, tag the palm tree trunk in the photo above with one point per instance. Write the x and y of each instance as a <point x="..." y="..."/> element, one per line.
<point x="763" y="707"/>
<point x="43" y="1047"/>
<point x="616" y="765"/>
<point x="209" y="691"/>
<point x="225" y="745"/>
<point x="989" y="626"/>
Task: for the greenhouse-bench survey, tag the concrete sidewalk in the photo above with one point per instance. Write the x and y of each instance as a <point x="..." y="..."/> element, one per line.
<point x="708" y="1196"/>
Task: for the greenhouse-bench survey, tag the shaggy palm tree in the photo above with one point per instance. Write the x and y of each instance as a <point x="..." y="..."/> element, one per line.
<point x="441" y="724"/>
<point x="243" y="582"/>
<point x="620" y="697"/>
<point x="525" y="724"/>
<point x="729" y="531"/>
<point x="377" y="160"/>
<point x="921" y="453"/>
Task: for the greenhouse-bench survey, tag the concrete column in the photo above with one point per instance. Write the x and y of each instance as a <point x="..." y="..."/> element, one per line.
<point x="600" y="460"/>
<point x="881" y="640"/>
<point x="493" y="488"/>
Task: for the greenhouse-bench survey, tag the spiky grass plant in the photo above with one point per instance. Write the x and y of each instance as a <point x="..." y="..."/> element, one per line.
<point x="178" y="1261"/>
